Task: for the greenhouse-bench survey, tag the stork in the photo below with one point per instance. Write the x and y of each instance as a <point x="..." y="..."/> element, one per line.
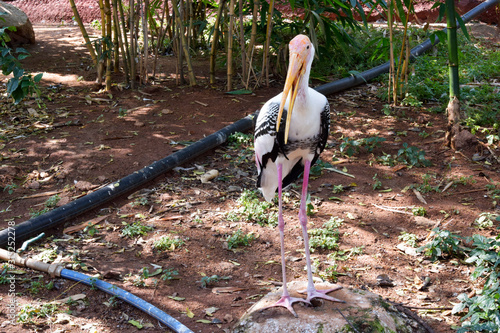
<point x="281" y="154"/>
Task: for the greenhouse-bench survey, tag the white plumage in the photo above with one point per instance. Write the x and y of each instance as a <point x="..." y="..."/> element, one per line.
<point x="282" y="154"/>
<point x="306" y="125"/>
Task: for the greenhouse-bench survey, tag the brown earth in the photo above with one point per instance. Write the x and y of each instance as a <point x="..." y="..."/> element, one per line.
<point x="83" y="139"/>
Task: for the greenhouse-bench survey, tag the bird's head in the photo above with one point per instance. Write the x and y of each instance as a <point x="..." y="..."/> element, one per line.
<point x="301" y="56"/>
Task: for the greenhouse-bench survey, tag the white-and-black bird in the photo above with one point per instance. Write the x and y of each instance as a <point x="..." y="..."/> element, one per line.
<point x="282" y="153"/>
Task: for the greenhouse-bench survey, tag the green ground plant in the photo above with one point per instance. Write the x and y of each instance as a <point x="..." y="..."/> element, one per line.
<point x="238" y="238"/>
<point x="353" y="146"/>
<point x="28" y="313"/>
<point x="326" y="237"/>
<point x="412" y="156"/>
<point x="483" y="308"/>
<point x="409" y="238"/>
<point x="167" y="243"/>
<point x="49" y="204"/>
<point x="419" y="211"/>
<point x="210" y="280"/>
<point x="251" y="208"/>
<point x="135" y="229"/>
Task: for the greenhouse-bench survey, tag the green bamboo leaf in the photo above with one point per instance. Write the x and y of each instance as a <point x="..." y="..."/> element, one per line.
<point x="462" y="26"/>
<point x="136" y="323"/>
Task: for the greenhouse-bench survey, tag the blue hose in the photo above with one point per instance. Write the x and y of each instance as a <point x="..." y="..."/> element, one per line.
<point x="150" y="309"/>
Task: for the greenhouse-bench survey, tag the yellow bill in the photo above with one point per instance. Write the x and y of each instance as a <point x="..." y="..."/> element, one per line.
<point x="295" y="73"/>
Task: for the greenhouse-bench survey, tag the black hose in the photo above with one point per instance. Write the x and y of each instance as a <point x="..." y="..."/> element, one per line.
<point x="75" y="208"/>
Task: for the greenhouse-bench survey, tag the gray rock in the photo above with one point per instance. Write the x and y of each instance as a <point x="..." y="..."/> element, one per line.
<point x="363" y="310"/>
<point x="15" y="17"/>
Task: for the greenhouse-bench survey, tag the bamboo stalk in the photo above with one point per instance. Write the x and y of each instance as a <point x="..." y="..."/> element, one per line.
<point x="451" y="24"/>
<point x="107" y="11"/>
<point x="391" y="53"/>
<point x="215" y="40"/>
<point x="230" y="47"/>
<point x="189" y="13"/>
<point x="133" y="70"/>
<point x="453" y="108"/>
<point x="265" y="62"/>
<point x="179" y="70"/>
<point x="116" y="41"/>
<point x="102" y="55"/>
<point x="253" y="35"/>
<point x="242" y="44"/>
<point x="121" y="41"/>
<point x="124" y="42"/>
<point x="401" y="68"/>
<point x="84" y="32"/>
<point x="192" y="78"/>
<point x="140" y="19"/>
<point x="161" y="34"/>
<point x="146" y="39"/>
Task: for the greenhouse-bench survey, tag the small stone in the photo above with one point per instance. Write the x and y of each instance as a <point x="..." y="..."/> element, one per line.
<point x="208" y="176"/>
<point x="62" y="318"/>
<point x="383" y="280"/>
<point x="83" y="185"/>
<point x="34" y="185"/>
<point x="112" y="275"/>
<point x="477" y="157"/>
<point x="63" y="201"/>
<point x="233" y="188"/>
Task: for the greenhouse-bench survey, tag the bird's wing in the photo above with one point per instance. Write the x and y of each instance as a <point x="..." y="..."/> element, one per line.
<point x="264" y="141"/>
<point x="324" y="128"/>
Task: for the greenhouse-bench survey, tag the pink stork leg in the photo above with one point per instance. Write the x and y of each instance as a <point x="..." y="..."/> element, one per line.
<point x="285" y="300"/>
<point x="311" y="290"/>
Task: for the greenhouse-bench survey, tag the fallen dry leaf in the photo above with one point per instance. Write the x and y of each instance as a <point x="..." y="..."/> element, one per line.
<point x="229" y="290"/>
<point x="69" y="298"/>
<point x="82" y="226"/>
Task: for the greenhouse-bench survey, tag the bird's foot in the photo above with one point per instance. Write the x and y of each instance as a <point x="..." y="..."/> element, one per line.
<point x="287" y="302"/>
<point x="314" y="293"/>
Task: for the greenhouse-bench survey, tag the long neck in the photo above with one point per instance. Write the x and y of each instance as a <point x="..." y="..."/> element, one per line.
<point x="303" y="93"/>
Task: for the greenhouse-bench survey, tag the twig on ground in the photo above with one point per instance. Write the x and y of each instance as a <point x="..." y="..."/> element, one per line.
<point x="395" y="209"/>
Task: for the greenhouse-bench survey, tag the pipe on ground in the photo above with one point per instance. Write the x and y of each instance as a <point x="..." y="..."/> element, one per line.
<point x="73" y="209"/>
<point x="125" y="185"/>
<point x="56" y="270"/>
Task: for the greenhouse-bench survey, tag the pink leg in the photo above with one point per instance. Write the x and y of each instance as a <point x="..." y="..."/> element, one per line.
<point x="311" y="290"/>
<point x="285" y="300"/>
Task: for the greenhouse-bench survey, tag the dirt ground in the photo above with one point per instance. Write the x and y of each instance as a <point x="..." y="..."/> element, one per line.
<point x="85" y="139"/>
